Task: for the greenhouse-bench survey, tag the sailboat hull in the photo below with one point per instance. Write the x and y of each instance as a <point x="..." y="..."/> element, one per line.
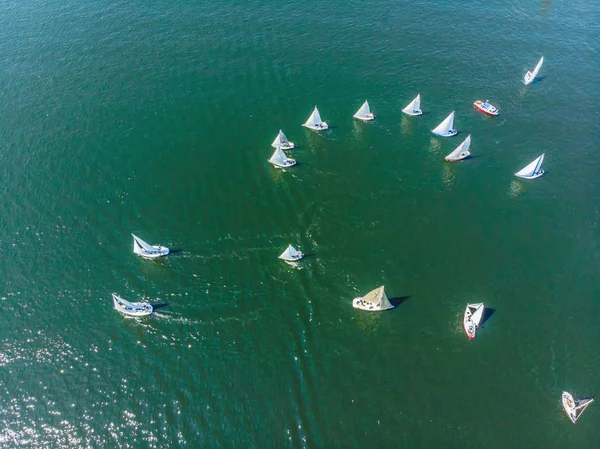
<point x="285" y="146"/>
<point x="413" y="113"/>
<point x="537" y="175"/>
<point x="138" y="309"/>
<point x="462" y="156"/>
<point x="358" y="303"/>
<point x="369" y="117"/>
<point x="322" y="127"/>
<point x="288" y="163"/>
<point x="450" y="133"/>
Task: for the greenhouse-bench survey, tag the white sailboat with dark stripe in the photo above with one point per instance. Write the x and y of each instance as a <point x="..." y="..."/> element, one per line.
<point x="314" y="122"/>
<point x="472" y="318"/>
<point x="146" y="250"/>
<point x="131" y="308"/>
<point x="374" y="301"/>
<point x="291" y="254"/>
<point x="574" y="408"/>
<point x="532" y="170"/>
<point x="279" y="159"/>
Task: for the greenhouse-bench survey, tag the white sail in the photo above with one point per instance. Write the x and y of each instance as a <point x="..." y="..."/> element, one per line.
<point x="279" y="157"/>
<point x="139" y="246"/>
<point x="364" y="113"/>
<point x="574" y="408"/>
<point x="477" y="313"/>
<point x="314" y="119"/>
<point x="291" y="254"/>
<point x="532" y="170"/>
<point x="314" y="122"/>
<point x="461" y="151"/>
<point x="281" y="138"/>
<point x="445" y="129"/>
<point x="130" y="308"/>
<point x="530" y="76"/>
<point x="414" y="107"/>
<point x="373" y="301"/>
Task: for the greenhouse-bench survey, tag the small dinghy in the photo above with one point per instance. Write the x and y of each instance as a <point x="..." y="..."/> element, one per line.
<point x="364" y="113"/>
<point x="131" y="308"/>
<point x="414" y="107"/>
<point x="574" y="408"/>
<point x="147" y="251"/>
<point x="279" y="159"/>
<point x="291" y="254"/>
<point x="530" y="76"/>
<point x="472" y="318"/>
<point x="445" y="129"/>
<point x="282" y="142"/>
<point x="533" y="170"/>
<point x="373" y="301"/>
<point x="485" y="107"/>
<point x="314" y="122"/>
<point x="461" y="152"/>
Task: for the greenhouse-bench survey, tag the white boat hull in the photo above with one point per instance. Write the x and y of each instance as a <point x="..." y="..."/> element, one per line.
<point x="414" y="113"/>
<point x="472" y="318"/>
<point x="450" y="133"/>
<point x="289" y="163"/>
<point x="358" y="303"/>
<point x="537" y="175"/>
<point x="460" y="157"/>
<point x="322" y="127"/>
<point x="293" y="259"/>
<point x="161" y="251"/>
<point x="369" y="117"/>
<point x="286" y="146"/>
<point x="136" y="309"/>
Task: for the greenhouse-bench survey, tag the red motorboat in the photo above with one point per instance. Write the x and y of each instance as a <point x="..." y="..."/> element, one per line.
<point x="485" y="107"/>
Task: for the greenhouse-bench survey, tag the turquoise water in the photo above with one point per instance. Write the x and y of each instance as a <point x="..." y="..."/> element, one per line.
<point x="156" y="118"/>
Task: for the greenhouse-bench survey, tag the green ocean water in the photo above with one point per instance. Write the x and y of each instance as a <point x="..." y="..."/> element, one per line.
<point x="156" y="118"/>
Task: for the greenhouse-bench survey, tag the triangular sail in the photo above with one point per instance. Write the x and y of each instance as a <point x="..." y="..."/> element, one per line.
<point x="289" y="253"/>
<point x="314" y="119"/>
<point x="363" y="111"/>
<point x="461" y="151"/>
<point x="478" y="313"/>
<point x="583" y="403"/>
<point x="537" y="68"/>
<point x="124" y="302"/>
<point x="445" y="126"/>
<point x="280" y="139"/>
<point x="533" y="168"/>
<point x="141" y="245"/>
<point x="278" y="157"/>
<point x="413" y="106"/>
<point x="378" y="298"/>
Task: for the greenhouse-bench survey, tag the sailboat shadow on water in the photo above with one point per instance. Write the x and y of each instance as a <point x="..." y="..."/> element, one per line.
<point x="487" y="314"/>
<point x="397" y="300"/>
<point x="160" y="305"/>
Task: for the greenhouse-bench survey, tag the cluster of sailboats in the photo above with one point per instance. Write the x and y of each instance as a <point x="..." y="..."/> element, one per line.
<point x="444" y="129"/>
<point x="375" y="300"/>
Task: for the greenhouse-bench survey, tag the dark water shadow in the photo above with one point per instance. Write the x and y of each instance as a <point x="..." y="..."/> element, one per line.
<point x="160" y="305"/>
<point x="487" y="314"/>
<point x="539" y="79"/>
<point x="397" y="300"/>
<point x="176" y="251"/>
<point x="309" y="255"/>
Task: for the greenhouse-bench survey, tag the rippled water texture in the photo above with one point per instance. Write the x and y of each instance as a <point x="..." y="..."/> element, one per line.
<point x="156" y="118"/>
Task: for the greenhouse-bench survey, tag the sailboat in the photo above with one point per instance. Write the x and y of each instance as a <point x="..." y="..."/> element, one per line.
<point x="131" y="308"/>
<point x="147" y="251"/>
<point x="533" y="170"/>
<point x="472" y="318"/>
<point x="414" y="107"/>
<point x="364" y="113"/>
<point x="461" y="151"/>
<point x="282" y="141"/>
<point x="314" y="122"/>
<point x="373" y="301"/>
<point x="291" y="254"/>
<point x="530" y="76"/>
<point x="445" y="129"/>
<point x="279" y="159"/>
<point x="574" y="408"/>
